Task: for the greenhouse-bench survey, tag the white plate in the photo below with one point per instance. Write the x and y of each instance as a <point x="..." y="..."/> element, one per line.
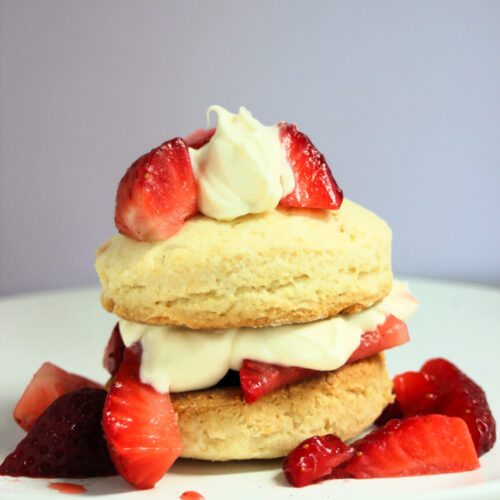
<point x="69" y="328"/>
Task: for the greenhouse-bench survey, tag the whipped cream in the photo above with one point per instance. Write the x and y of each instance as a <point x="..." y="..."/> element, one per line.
<point x="179" y="359"/>
<point x="242" y="169"/>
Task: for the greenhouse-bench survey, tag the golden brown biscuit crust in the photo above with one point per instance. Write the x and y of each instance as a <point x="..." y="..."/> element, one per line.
<point x="216" y="424"/>
<point x="282" y="266"/>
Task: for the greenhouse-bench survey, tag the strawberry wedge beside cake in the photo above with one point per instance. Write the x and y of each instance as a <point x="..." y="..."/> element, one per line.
<point x="254" y="302"/>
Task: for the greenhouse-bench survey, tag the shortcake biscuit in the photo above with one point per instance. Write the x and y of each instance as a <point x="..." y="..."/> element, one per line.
<point x="277" y="267"/>
<point x="216" y="424"/>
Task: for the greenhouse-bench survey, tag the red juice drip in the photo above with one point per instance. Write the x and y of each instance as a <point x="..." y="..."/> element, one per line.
<point x="68" y="488"/>
<point x="191" y="495"/>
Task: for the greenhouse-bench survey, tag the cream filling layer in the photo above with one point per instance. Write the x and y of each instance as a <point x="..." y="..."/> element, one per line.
<point x="179" y="359"/>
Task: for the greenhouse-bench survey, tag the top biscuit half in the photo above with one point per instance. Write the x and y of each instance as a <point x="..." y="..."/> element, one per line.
<point x="278" y="267"/>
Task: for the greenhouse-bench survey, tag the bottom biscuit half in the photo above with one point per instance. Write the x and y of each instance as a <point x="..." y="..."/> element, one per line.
<point x="216" y="424"/>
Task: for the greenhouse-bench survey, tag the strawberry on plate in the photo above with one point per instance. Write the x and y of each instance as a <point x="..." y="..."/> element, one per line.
<point x="258" y="378"/>
<point x="440" y="387"/>
<point x="157" y="193"/>
<point x="47" y="384"/>
<point x="140" y="426"/>
<point x="460" y="396"/>
<point x="65" y="441"/>
<point x="416" y="393"/>
<point x="413" y="446"/>
<point x="315" y="186"/>
<point x="315" y="458"/>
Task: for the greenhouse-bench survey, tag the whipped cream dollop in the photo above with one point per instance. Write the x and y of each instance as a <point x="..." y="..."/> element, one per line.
<point x="179" y="359"/>
<point x="242" y="169"/>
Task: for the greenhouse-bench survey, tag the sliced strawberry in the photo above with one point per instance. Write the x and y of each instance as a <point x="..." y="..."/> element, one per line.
<point x="47" y="384"/>
<point x="413" y="446"/>
<point x="315" y="186"/>
<point x="199" y="138"/>
<point x="258" y="378"/>
<point x="157" y="193"/>
<point x="114" y="352"/>
<point x="66" y="440"/>
<point x="460" y="396"/>
<point x="140" y="426"/>
<point x="315" y="458"/>
<point x="391" y="333"/>
<point x="416" y="393"/>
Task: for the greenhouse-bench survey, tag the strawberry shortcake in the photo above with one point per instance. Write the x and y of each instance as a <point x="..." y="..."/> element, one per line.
<point x="254" y="307"/>
<point x="254" y="302"/>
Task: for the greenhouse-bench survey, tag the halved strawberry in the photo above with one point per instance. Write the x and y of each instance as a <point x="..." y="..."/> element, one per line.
<point x="47" y="384"/>
<point x="315" y="186"/>
<point x="460" y="396"/>
<point x="157" y="193"/>
<point x="315" y="458"/>
<point x="140" y="426"/>
<point x="416" y="393"/>
<point x="114" y="352"/>
<point x="413" y="446"/>
<point x="440" y="387"/>
<point x="258" y="378"/>
<point x="199" y="138"/>
<point x="65" y="441"/>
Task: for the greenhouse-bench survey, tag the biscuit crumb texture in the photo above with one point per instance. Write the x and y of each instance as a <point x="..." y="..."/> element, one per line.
<point x="278" y="267"/>
<point x="216" y="424"/>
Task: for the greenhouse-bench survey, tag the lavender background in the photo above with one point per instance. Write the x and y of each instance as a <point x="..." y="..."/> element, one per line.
<point x="402" y="98"/>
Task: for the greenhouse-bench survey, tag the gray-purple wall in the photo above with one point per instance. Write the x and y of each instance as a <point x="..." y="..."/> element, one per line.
<point x="401" y="96"/>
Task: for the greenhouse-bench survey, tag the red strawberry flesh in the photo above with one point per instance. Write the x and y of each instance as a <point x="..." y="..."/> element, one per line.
<point x="315" y="186"/>
<point x="258" y="379"/>
<point x="413" y="446"/>
<point x="65" y="441"/>
<point x="140" y="426"/>
<point x="157" y="193"/>
<point x="315" y="458"/>
<point x="391" y="333"/>
<point x="199" y="138"/>
<point x="47" y="384"/>
<point x="460" y="396"/>
<point x="416" y="393"/>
